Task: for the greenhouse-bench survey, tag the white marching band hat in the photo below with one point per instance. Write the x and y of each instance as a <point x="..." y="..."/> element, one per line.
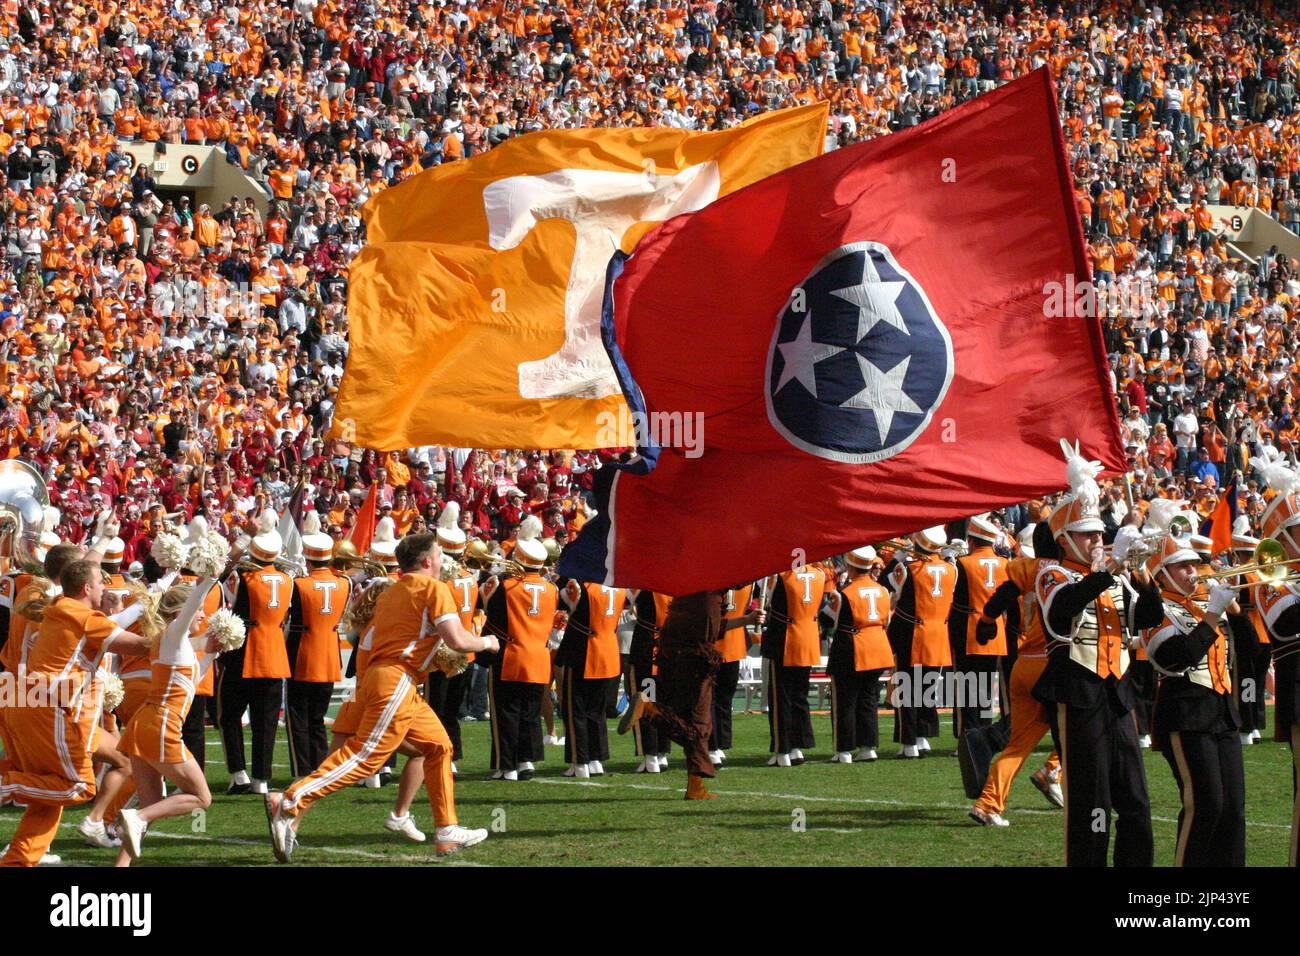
<point x="316" y="545"/>
<point x="266" y="543"/>
<point x="383" y="546"/>
<point x="450" y="538"/>
<point x="862" y="558"/>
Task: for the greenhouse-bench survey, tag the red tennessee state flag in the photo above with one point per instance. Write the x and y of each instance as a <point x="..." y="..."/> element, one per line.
<point x="889" y="337"/>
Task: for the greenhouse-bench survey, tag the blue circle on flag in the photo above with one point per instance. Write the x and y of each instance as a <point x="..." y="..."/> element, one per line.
<point x="859" y="360"/>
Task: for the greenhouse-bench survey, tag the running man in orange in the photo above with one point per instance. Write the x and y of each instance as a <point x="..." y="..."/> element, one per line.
<point x="411" y="618"/>
<point x="54" y="743"/>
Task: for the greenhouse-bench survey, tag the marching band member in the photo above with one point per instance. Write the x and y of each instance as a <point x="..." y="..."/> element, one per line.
<point x="792" y="643"/>
<point x="53" y="744"/>
<point x="252" y="677"/>
<point x="319" y="600"/>
<point x="1196" y="721"/>
<point x="980" y="573"/>
<point x="1088" y="615"/>
<point x="651" y="611"/>
<point x="383" y="546"/>
<point x="1251" y="662"/>
<point x="153" y="737"/>
<point x="733" y="646"/>
<point x="445" y="694"/>
<point x="1279" y="606"/>
<point x="859" y="654"/>
<point x="918" y="634"/>
<point x="588" y="656"/>
<point x="413" y="618"/>
<point x="688" y="664"/>
<point x="1030" y="721"/>
<point x="520" y="610"/>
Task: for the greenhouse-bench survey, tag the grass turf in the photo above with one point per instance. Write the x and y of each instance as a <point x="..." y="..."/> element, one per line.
<point x="887" y="813"/>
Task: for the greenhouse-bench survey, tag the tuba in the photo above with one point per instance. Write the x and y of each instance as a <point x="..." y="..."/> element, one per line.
<point x="23" y="499"/>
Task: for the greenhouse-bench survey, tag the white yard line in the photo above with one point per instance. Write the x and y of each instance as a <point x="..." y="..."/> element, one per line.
<point x="806" y="798"/>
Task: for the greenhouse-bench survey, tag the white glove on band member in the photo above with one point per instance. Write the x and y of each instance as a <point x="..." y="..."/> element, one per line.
<point x="1124" y="539"/>
<point x="1220" y="598"/>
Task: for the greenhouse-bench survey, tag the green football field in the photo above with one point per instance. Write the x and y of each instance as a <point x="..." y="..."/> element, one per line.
<point x="887" y="813"/>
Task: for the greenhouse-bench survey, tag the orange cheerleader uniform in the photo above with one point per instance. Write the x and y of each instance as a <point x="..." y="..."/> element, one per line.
<point x="154" y="733"/>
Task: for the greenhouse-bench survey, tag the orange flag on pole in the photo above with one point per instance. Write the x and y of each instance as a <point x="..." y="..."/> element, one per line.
<point x="474" y="308"/>
<point x="363" y="529"/>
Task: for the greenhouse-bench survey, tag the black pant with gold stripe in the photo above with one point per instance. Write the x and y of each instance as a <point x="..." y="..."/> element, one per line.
<point x="973" y="678"/>
<point x="1211" y="778"/>
<point x="788" y="717"/>
<point x="855" y="697"/>
<point x="445" y="695"/>
<point x="918" y="715"/>
<point x="194" y="730"/>
<point x="304" y="719"/>
<point x="586" y="727"/>
<point x="648" y="736"/>
<point x="1103" y="772"/>
<point x="516" y="712"/>
<point x="724" y="695"/>
<point x="1142" y="674"/>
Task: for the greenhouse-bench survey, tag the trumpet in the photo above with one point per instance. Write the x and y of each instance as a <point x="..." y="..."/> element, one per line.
<point x="1268" y="563"/>
<point x="478" y="556"/>
<point x="1144" y="547"/>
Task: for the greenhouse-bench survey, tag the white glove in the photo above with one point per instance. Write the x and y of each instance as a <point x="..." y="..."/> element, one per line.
<point x="1220" y="598"/>
<point x="1124" y="539"/>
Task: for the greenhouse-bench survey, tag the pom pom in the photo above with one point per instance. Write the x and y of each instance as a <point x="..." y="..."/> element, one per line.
<point x="530" y="528"/>
<point x="452" y="663"/>
<point x="114" y="692"/>
<point x="227" y="629"/>
<point x="168" y="550"/>
<point x="209" y="555"/>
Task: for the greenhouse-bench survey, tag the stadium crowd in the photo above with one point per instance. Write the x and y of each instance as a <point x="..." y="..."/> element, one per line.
<point x="162" y="359"/>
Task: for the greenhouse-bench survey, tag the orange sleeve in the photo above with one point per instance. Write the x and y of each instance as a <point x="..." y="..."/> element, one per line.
<point x="441" y="604"/>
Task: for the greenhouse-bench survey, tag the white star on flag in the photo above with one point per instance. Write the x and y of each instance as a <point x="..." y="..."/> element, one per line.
<point x="882" y="393"/>
<point x="876" y="300"/>
<point x="800" y="354"/>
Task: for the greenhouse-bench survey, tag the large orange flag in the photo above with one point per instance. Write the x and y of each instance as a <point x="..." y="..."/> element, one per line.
<point x="475" y="306"/>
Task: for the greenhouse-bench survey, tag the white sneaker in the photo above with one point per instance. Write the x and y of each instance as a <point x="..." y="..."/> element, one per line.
<point x="283" y="837"/>
<point x="986" y="819"/>
<point x="1257" y="735"/>
<point x="372" y="782"/>
<point x="909" y="752"/>
<point x="454" y="771"/>
<point x="559" y="741"/>
<point x="453" y="838"/>
<point x="663" y="761"/>
<point x="715" y="757"/>
<point x="596" y="768"/>
<point x="649" y="765"/>
<point x="796" y="754"/>
<point x="510" y="775"/>
<point x="1048" y="786"/>
<point x="96" y="834"/>
<point x="1247" y="739"/>
<point x="579" y="770"/>
<point x="405" y="826"/>
<point x="778" y="760"/>
<point x="259" y="786"/>
<point x="842" y="757"/>
<point x="1144" y="742"/>
<point x="131" y="829"/>
<point x="47" y="859"/>
<point x="548" y="740"/>
<point x="922" y="744"/>
<point x="864" y="754"/>
<point x="722" y="756"/>
<point x="526" y="766"/>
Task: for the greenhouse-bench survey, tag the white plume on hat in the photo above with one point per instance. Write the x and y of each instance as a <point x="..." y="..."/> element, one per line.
<point x="530" y="529"/>
<point x="1081" y="475"/>
<point x="311" y="523"/>
<point x="267" y="542"/>
<point x="530" y="552"/>
<point x="450" y="537"/>
<point x="1161" y="513"/>
<point x="1241" y="525"/>
<point x="316" y="545"/>
<point x="1277" y="474"/>
<point x="51" y="520"/>
<point x="384" y="543"/>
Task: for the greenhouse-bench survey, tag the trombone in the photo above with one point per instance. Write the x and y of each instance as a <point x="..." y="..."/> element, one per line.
<point x="1269" y="563"/>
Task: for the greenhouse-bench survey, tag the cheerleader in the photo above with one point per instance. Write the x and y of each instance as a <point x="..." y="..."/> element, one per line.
<point x="153" y="737"/>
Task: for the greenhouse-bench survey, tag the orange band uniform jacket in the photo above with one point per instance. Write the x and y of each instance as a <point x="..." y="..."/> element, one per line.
<point x="590" y="644"/>
<point x="319" y="600"/>
<point x="523" y="609"/>
<point x="264" y="601"/>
